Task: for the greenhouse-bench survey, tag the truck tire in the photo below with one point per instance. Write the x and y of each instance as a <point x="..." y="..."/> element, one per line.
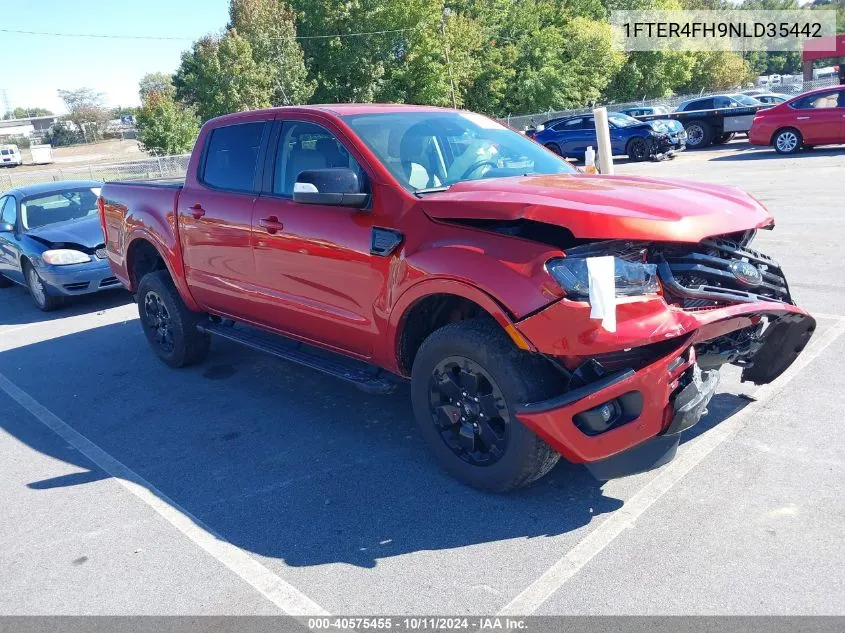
<point x="43" y="300"/>
<point x="170" y="327"/>
<point x="726" y="137"/>
<point x="787" y="141"/>
<point x="466" y="382"/>
<point x="699" y="134"/>
<point x="637" y="149"/>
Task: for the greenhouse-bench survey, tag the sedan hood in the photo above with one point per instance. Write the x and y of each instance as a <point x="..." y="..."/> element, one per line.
<point x="85" y="232"/>
<point x="605" y="207"/>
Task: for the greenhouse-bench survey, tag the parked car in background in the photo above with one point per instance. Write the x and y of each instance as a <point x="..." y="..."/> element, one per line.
<point x="644" y="110"/>
<point x="771" y="98"/>
<point x="51" y="241"/>
<point x="813" y="118"/>
<point x="10" y="156"/>
<point x="570" y="136"/>
<point x="713" y="119"/>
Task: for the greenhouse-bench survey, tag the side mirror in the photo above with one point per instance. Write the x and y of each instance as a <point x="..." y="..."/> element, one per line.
<point x="337" y="187"/>
<point x="5" y="227"/>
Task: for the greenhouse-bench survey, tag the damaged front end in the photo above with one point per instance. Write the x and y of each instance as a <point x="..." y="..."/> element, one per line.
<point x="636" y="380"/>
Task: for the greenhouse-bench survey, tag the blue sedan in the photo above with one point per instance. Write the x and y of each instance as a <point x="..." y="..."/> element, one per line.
<point x="51" y="241"/>
<point x="570" y="136"/>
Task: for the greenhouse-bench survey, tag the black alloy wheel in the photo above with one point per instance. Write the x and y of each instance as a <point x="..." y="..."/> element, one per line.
<point x="469" y="411"/>
<point x="158" y="321"/>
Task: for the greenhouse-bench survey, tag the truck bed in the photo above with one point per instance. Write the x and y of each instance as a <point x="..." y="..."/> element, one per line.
<point x="168" y="182"/>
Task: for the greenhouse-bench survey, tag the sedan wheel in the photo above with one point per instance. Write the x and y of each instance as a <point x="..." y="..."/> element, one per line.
<point x="44" y="301"/>
<point x="787" y="141"/>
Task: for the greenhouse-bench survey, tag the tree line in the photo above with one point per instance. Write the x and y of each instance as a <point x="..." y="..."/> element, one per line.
<point x="499" y="57"/>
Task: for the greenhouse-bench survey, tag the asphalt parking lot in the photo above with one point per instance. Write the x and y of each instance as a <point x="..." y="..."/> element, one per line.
<point x="248" y="485"/>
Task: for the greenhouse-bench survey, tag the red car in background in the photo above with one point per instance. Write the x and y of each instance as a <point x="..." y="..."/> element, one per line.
<point x="812" y="118"/>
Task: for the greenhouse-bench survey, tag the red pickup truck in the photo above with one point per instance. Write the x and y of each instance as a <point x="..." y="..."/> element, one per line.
<point x="537" y="311"/>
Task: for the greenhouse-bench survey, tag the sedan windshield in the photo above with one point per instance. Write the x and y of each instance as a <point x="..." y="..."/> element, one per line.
<point x="430" y="150"/>
<point x="621" y="120"/>
<point x="60" y="206"/>
<point x="746" y="100"/>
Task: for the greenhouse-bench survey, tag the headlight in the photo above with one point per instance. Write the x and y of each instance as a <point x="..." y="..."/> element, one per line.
<point x="64" y="256"/>
<point x="630" y="278"/>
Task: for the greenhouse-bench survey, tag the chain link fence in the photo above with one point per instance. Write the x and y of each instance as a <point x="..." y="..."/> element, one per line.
<point x="524" y="121"/>
<point x="157" y="167"/>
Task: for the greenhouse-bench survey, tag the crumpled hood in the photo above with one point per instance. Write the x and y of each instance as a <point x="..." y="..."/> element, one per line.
<point x="605" y="207"/>
<point x="665" y="126"/>
<point x="85" y="232"/>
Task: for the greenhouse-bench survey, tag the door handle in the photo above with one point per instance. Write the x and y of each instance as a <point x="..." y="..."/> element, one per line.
<point x="271" y="224"/>
<point x="197" y="211"/>
<point x="803" y="118"/>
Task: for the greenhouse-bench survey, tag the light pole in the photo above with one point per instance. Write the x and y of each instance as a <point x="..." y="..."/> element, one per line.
<point x="445" y="14"/>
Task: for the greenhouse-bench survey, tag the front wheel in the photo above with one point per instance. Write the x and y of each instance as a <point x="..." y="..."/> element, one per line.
<point x="787" y="141"/>
<point x="466" y="382"/>
<point x="44" y="301"/>
<point x="170" y="327"/>
<point x="699" y="134"/>
<point x="637" y="150"/>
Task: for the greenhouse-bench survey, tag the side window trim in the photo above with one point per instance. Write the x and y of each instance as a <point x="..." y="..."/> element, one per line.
<point x="257" y="176"/>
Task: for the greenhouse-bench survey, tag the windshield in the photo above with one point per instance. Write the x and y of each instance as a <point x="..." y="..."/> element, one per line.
<point x="426" y="150"/>
<point x="745" y="100"/>
<point x="60" y="206"/>
<point x="621" y="120"/>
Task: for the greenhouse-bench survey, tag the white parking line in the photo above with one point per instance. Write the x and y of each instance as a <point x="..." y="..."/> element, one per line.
<point x="282" y="594"/>
<point x="565" y="568"/>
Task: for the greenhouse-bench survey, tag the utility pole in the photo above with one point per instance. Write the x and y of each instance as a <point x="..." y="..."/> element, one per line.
<point x="446" y="13"/>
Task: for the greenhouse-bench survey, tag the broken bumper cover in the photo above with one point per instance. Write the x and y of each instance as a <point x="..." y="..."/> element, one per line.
<point x="671" y="392"/>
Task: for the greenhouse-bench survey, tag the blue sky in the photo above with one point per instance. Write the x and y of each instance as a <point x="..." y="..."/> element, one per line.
<point x="34" y="67"/>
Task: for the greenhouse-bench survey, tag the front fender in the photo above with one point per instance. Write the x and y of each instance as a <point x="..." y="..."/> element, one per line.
<point x="444" y="285"/>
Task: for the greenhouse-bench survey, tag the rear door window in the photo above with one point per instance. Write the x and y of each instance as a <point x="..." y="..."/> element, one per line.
<point x="231" y="157"/>
<point x="818" y="101"/>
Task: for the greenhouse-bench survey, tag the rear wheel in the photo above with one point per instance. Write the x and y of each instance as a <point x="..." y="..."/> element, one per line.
<point x="170" y="327"/>
<point x="637" y="150"/>
<point x="699" y="134"/>
<point x="787" y="141"/>
<point x="44" y="301"/>
<point x="467" y="380"/>
<point x="724" y="138"/>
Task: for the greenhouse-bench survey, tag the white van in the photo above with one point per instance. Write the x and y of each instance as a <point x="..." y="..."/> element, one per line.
<point x="10" y="156"/>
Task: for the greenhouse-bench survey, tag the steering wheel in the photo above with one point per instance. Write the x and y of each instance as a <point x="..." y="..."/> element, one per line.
<point x="477" y="165"/>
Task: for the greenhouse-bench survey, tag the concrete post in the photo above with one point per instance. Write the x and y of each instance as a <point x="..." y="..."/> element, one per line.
<point x="603" y="138"/>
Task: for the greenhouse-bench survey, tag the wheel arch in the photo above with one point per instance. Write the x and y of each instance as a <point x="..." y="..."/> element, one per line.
<point x="430" y="304"/>
<point x="783" y="128"/>
<point x="143" y="255"/>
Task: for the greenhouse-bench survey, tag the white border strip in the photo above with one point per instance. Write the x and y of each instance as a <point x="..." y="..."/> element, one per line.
<point x="280" y="593"/>
<point x="591" y="545"/>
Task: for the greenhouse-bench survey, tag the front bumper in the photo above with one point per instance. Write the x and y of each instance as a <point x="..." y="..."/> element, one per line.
<point x="670" y="392"/>
<point x="78" y="279"/>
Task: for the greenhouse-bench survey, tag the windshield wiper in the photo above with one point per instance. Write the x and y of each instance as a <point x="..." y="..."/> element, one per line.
<point x="425" y="190"/>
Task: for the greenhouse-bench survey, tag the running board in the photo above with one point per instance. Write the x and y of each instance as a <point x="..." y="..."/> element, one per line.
<point x="366" y="377"/>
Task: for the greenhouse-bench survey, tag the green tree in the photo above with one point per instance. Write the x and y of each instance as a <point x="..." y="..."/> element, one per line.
<point x="162" y="83"/>
<point x="22" y="113"/>
<point x="166" y="127"/>
<point x="717" y="70"/>
<point x="86" y="111"/>
<point x="219" y="75"/>
<point x="270" y="28"/>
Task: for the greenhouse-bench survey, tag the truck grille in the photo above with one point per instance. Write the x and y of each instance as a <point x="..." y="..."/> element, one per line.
<point x="718" y="272"/>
